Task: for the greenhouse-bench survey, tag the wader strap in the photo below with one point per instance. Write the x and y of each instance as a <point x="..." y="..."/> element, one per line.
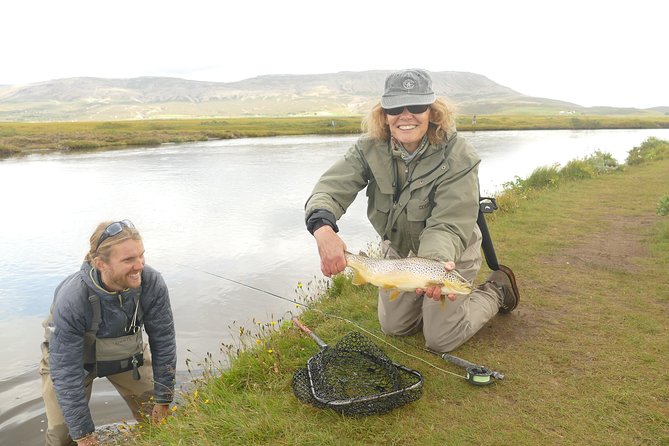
<point x="97" y="312"/>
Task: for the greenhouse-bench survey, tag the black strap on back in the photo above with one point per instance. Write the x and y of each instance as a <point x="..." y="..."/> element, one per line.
<point x="487" y="205"/>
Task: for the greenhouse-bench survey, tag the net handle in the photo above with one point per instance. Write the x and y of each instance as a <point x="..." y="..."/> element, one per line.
<point x="470" y="365"/>
<point x="308" y="331"/>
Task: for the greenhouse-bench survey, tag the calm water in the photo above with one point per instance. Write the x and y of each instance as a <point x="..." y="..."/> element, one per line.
<point x="229" y="207"/>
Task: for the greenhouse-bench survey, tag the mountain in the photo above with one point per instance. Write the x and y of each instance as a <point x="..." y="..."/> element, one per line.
<point x="343" y="93"/>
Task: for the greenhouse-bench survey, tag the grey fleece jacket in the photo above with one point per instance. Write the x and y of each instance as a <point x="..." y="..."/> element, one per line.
<point x="72" y="315"/>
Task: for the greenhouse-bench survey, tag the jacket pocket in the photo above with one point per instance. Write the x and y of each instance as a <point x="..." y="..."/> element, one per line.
<point x="378" y="209"/>
<point x="382" y="203"/>
<point x="418" y="210"/>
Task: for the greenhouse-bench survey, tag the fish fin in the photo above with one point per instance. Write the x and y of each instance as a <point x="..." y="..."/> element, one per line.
<point x="442" y="301"/>
<point x="394" y="294"/>
<point x="435" y="283"/>
<point x="358" y="279"/>
<point x="411" y="254"/>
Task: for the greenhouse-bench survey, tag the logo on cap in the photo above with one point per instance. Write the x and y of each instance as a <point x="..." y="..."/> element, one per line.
<point x="408" y="84"/>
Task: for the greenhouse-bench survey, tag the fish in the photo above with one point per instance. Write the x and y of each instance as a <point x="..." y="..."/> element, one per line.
<point x="405" y="274"/>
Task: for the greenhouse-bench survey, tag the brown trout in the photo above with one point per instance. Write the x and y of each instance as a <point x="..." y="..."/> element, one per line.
<point x="405" y="274"/>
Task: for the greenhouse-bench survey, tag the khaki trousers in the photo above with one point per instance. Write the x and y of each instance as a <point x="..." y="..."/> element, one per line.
<point x="136" y="393"/>
<point x="446" y="325"/>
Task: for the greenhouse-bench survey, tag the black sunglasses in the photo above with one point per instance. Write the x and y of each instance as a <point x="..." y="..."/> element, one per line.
<point x="114" y="229"/>
<point x="413" y="109"/>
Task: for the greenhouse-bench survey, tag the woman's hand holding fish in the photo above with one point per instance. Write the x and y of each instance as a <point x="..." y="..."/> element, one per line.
<point x="331" y="250"/>
<point x="434" y="292"/>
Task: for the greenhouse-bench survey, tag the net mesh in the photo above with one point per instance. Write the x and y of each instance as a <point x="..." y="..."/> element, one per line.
<point x="355" y="377"/>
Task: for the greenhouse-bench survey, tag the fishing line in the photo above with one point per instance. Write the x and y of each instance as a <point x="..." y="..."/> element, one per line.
<point x="334" y="316"/>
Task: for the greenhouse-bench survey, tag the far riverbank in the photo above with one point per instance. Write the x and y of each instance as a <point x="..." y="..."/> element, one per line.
<point x="19" y="138"/>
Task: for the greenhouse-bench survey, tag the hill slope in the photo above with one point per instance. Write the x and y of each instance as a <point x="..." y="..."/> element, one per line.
<point x="343" y="93"/>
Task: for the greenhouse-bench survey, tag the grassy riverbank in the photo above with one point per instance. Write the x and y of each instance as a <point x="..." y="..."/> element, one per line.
<point x="585" y="354"/>
<point x="18" y="138"/>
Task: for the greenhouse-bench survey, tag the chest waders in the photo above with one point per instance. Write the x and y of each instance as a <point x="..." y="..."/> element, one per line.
<point x="114" y="355"/>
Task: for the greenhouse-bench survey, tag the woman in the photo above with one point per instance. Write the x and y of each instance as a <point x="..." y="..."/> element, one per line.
<point x="421" y="182"/>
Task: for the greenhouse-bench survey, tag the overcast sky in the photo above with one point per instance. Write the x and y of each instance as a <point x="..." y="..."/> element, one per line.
<point x="589" y="52"/>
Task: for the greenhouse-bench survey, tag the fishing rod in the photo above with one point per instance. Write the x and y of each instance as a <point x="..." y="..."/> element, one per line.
<point x="476" y="374"/>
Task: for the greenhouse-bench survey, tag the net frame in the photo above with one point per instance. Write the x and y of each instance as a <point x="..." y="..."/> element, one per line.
<point x="355" y="377"/>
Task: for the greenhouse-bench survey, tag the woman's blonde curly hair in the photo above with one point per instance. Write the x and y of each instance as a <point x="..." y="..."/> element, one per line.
<point x="442" y="122"/>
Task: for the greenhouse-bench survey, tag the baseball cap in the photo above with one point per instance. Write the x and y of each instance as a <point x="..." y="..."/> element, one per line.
<point x="407" y="87"/>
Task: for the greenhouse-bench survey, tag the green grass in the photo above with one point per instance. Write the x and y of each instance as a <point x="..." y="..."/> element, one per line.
<point x="555" y="122"/>
<point x="18" y="138"/>
<point x="546" y="177"/>
<point x="663" y="206"/>
<point x="652" y="149"/>
<point x="585" y="353"/>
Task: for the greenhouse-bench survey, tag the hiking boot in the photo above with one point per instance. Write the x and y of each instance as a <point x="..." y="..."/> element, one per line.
<point x="505" y="281"/>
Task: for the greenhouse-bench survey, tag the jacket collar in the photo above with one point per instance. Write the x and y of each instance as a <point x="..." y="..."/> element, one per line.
<point x="91" y="277"/>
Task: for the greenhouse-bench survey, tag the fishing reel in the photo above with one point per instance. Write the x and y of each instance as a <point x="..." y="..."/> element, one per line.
<point x="479" y="375"/>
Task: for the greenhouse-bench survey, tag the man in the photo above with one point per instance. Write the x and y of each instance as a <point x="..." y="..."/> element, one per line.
<point x="94" y="329"/>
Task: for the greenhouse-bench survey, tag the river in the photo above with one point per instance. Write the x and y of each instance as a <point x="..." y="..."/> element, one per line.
<point x="229" y="207"/>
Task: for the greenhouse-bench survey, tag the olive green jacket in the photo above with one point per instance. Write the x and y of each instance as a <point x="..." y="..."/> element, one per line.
<point x="433" y="212"/>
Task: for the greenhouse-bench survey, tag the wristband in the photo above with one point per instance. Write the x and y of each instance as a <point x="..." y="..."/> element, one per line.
<point x="321" y="217"/>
